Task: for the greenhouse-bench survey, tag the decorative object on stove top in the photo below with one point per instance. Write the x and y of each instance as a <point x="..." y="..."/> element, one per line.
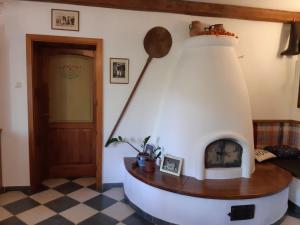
<point x="147" y="153"/>
<point x="171" y="164"/>
<point x="197" y="28"/>
<point x="294" y="41"/>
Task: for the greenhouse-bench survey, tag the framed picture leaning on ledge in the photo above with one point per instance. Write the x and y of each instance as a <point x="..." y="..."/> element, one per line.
<point x="171" y="164"/>
<point x="119" y="71"/>
<point x="64" y="20"/>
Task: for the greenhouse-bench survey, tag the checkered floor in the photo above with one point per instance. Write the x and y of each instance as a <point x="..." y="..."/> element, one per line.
<point x="65" y="202"/>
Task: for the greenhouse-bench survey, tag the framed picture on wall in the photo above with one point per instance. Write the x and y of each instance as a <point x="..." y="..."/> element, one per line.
<point x="171" y="164"/>
<point x="119" y="71"/>
<point x="64" y="20"/>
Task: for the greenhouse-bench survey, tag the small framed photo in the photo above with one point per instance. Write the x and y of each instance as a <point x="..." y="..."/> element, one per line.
<point x="149" y="148"/>
<point x="64" y="20"/>
<point x="119" y="71"/>
<point x="171" y="164"/>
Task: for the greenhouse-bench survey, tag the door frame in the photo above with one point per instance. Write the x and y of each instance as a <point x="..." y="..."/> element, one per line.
<point x="32" y="39"/>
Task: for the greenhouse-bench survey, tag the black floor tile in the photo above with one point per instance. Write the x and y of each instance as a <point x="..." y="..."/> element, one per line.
<point x="93" y="187"/>
<point x="61" y="204"/>
<point x="56" y="220"/>
<point x="12" y="221"/>
<point x="100" y="202"/>
<point x="99" y="219"/>
<point x="135" y="219"/>
<point x="31" y="192"/>
<point x="108" y="186"/>
<point x="68" y="187"/>
<point x="125" y="201"/>
<point x="21" y="205"/>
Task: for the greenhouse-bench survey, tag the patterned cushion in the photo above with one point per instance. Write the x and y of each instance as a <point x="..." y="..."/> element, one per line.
<point x="284" y="151"/>
<point x="262" y="155"/>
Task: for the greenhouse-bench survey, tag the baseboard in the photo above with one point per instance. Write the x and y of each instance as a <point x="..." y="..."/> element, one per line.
<point x="293" y="210"/>
<point x="24" y="189"/>
<point x="107" y="186"/>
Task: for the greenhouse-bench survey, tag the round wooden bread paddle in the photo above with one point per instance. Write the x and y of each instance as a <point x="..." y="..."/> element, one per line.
<point x="157" y="43"/>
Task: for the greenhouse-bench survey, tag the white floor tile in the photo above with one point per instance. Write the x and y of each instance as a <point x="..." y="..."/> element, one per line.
<point x="46" y="196"/>
<point x="36" y="215"/>
<point x="83" y="194"/>
<point x="4" y="214"/>
<point x="52" y="183"/>
<point x="11" y="196"/>
<point x="291" y="221"/>
<point x="86" y="181"/>
<point x="78" y="213"/>
<point x="115" y="193"/>
<point x="119" y="211"/>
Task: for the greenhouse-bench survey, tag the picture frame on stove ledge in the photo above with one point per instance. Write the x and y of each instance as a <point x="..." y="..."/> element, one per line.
<point x="171" y="164"/>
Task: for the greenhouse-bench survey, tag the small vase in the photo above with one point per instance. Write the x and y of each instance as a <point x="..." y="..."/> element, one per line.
<point x="158" y="161"/>
<point x="149" y="166"/>
<point x="196" y="28"/>
<point x="140" y="159"/>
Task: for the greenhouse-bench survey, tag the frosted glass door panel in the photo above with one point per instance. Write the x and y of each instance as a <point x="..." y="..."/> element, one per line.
<point x="70" y="88"/>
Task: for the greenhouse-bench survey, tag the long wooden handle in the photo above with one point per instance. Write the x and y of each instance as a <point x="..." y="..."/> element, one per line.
<point x="128" y="100"/>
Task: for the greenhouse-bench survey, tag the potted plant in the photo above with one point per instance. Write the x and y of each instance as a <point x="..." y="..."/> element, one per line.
<point x="147" y="154"/>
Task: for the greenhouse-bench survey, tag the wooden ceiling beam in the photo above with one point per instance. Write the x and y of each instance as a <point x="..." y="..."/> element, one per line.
<point x="191" y="8"/>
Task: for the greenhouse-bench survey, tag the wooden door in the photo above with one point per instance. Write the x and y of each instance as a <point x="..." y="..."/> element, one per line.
<point x="42" y="162"/>
<point x="39" y="117"/>
<point x="71" y="117"/>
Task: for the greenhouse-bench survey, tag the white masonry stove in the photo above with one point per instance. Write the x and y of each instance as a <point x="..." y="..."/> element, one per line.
<point x="206" y="119"/>
<point x="207" y="100"/>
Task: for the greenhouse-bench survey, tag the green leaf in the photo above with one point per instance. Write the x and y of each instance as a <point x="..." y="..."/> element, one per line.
<point x="158" y="148"/>
<point x="146" y="140"/>
<point x="120" y="138"/>
<point x="110" y="141"/>
<point x="158" y="155"/>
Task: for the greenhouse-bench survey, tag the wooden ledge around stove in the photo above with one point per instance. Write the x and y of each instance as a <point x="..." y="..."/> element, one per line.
<point x="267" y="179"/>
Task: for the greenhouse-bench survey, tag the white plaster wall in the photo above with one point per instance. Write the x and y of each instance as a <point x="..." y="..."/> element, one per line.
<point x="270" y="79"/>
